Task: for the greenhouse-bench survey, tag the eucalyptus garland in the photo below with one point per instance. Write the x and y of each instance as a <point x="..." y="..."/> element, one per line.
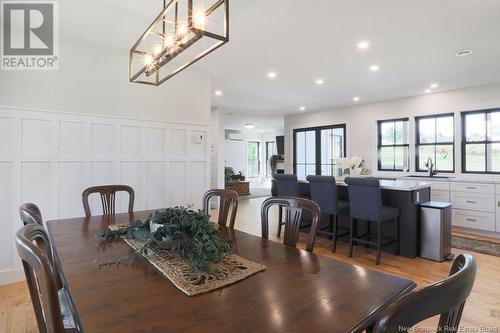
<point x="185" y="232"/>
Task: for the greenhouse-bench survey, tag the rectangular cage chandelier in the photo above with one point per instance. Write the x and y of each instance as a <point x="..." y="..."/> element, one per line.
<point x="184" y="32"/>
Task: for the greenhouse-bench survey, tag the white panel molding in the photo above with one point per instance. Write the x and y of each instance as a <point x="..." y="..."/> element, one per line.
<point x="50" y="157"/>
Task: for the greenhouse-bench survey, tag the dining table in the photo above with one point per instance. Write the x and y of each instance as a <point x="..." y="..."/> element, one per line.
<point x="299" y="291"/>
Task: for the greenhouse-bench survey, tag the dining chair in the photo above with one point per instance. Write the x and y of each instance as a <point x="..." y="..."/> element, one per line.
<point x="30" y="214"/>
<point x="445" y="298"/>
<point x="293" y="212"/>
<point x="108" y="197"/>
<point x="365" y="203"/>
<point x="324" y="192"/>
<point x="51" y="305"/>
<point x="287" y="185"/>
<point x="228" y="200"/>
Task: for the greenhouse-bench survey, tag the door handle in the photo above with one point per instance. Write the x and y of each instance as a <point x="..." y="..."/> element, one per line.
<point x="471" y="220"/>
<point x="470" y="201"/>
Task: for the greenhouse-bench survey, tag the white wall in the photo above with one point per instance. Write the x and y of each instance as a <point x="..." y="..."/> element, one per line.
<point x="361" y="120"/>
<point x="85" y="124"/>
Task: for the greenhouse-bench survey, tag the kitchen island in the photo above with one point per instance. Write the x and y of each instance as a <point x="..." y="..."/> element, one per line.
<point x="401" y="193"/>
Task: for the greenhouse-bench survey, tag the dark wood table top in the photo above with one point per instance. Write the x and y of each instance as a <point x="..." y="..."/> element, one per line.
<point x="299" y="291"/>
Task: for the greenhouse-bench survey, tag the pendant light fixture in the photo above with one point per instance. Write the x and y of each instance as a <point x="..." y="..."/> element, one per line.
<point x="184" y="32"/>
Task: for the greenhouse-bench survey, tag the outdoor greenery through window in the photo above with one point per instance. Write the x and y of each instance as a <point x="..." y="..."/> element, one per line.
<point x="393" y="145"/>
<point x="435" y="139"/>
<point x="317" y="150"/>
<point x="253" y="159"/>
<point x="481" y="141"/>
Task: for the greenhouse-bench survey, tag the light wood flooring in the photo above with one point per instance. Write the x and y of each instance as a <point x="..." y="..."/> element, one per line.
<point x="482" y="308"/>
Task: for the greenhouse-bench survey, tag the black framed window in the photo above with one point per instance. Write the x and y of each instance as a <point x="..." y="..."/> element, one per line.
<point x="481" y="141"/>
<point x="435" y="138"/>
<point x="393" y="144"/>
<point x="317" y="149"/>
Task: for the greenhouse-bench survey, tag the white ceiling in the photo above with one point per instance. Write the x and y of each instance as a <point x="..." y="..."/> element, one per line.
<point x="414" y="42"/>
<point x="263" y="123"/>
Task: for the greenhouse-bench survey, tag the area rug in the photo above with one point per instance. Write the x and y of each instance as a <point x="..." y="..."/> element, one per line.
<point x="476" y="245"/>
<point x="178" y="270"/>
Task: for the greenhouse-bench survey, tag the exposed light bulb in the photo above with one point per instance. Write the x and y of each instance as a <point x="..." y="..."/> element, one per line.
<point x="156" y="49"/>
<point x="169" y="41"/>
<point x="199" y="17"/>
<point x="181" y="28"/>
<point x="148" y="59"/>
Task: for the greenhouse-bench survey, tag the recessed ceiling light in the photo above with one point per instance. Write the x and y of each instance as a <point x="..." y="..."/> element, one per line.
<point x="249" y="126"/>
<point x="363" y="45"/>
<point x="463" y="53"/>
<point x="218" y="93"/>
<point x="272" y="75"/>
<point x="302" y="108"/>
<point x="434" y="85"/>
<point x="356" y="99"/>
<point x="320" y="82"/>
<point x="374" y="68"/>
<point x="428" y="91"/>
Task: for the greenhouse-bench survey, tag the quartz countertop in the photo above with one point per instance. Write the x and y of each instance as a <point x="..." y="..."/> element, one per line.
<point x="455" y="179"/>
<point x="398" y="185"/>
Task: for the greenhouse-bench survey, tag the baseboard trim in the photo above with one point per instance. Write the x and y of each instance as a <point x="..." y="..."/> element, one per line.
<point x="9" y="276"/>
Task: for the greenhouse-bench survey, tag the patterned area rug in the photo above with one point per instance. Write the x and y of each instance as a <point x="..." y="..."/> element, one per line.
<point x="178" y="270"/>
<point x="476" y="245"/>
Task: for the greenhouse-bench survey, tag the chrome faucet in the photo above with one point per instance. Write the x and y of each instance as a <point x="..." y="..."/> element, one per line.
<point x="430" y="167"/>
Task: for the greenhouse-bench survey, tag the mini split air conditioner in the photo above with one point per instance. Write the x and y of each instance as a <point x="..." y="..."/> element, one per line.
<point x="235" y="137"/>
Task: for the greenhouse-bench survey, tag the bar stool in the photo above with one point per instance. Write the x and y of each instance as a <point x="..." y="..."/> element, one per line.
<point x="286" y="186"/>
<point x="365" y="203"/>
<point x="324" y="193"/>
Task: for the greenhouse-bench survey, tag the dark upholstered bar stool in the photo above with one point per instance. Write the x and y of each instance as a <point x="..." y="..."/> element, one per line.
<point x="286" y="186"/>
<point x="445" y="298"/>
<point x="324" y="193"/>
<point x="365" y="203"/>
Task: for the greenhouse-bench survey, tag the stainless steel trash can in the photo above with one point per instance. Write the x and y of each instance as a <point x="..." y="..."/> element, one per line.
<point x="435" y="230"/>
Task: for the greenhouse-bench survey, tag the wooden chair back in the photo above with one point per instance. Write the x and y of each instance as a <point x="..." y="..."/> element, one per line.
<point x="108" y="198"/>
<point x="30" y="214"/>
<point x="293" y="214"/>
<point x="34" y="248"/>
<point x="446" y="298"/>
<point x="228" y="200"/>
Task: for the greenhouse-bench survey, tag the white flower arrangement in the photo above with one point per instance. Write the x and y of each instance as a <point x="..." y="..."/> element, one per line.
<point x="353" y="165"/>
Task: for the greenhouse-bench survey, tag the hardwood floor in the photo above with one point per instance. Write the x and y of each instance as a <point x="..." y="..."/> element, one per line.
<point x="482" y="308"/>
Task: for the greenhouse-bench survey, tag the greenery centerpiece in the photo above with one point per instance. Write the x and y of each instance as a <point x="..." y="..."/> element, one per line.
<point x="184" y="232"/>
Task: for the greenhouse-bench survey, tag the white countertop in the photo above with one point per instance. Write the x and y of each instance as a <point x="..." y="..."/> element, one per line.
<point x="459" y="179"/>
<point x="398" y="185"/>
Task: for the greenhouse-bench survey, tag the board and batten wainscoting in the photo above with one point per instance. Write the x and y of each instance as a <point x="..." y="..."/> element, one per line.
<point x="49" y="158"/>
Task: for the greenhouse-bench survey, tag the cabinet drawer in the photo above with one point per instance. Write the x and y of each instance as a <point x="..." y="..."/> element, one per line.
<point x="473" y="188"/>
<point x="440" y="186"/>
<point x="443" y="196"/>
<point x="473" y="201"/>
<point x="475" y="220"/>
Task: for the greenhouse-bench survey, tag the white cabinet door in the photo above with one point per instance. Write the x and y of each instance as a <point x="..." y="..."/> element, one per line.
<point x="443" y="196"/>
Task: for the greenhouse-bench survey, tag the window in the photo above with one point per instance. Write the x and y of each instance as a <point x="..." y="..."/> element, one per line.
<point x="481" y="141"/>
<point x="316" y="150"/>
<point x="253" y="159"/>
<point x="270" y="151"/>
<point x="435" y="140"/>
<point x="393" y="145"/>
